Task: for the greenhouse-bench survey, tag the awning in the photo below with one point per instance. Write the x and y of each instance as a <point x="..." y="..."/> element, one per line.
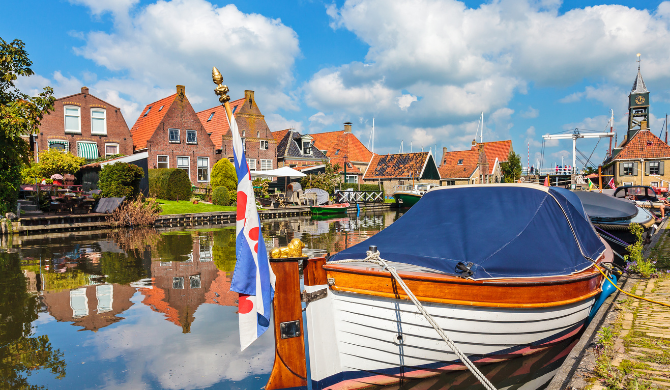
<point x="87" y="150"/>
<point x="58" y="144"/>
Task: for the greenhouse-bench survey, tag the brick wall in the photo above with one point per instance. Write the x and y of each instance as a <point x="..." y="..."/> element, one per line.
<point x="253" y="150"/>
<point x="53" y="125"/>
<point x="181" y="116"/>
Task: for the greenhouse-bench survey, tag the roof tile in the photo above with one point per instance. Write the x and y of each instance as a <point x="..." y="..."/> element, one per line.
<point x="396" y="166"/>
<point x="147" y="123"/>
<point x="644" y="144"/>
<point x="451" y="169"/>
<point x="217" y="126"/>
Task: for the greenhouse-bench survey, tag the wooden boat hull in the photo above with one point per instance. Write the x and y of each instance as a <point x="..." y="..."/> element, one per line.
<point x="328" y="210"/>
<point x="406" y="199"/>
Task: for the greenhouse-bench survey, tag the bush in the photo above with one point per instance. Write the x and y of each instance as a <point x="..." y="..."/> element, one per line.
<point x="120" y="179"/>
<point x="223" y="174"/>
<point x="169" y="184"/>
<point x="31" y="174"/>
<point x="135" y="213"/>
<point x="52" y="161"/>
<point x="220" y="196"/>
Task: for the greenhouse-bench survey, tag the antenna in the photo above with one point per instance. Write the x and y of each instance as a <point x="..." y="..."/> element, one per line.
<point x="401" y="149"/>
<point x="373" y="135"/>
<point x="481" y="135"/>
<point x="411" y="147"/>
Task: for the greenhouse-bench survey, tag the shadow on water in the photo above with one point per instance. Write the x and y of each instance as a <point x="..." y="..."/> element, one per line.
<point x="142" y="308"/>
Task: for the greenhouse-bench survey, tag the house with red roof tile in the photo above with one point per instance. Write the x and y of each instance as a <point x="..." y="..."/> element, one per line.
<point x="480" y="164"/>
<point x="296" y="150"/>
<point x="394" y="170"/>
<point x="171" y="133"/>
<point x="259" y="144"/>
<point x="343" y="148"/>
<point x="85" y="126"/>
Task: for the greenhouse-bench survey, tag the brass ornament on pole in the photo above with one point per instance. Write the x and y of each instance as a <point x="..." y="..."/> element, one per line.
<point x="221" y="90"/>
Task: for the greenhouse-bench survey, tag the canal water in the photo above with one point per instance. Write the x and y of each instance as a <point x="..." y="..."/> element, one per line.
<point x="147" y="309"/>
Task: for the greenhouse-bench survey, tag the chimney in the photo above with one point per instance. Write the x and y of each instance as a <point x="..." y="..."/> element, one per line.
<point x="249" y="97"/>
<point x="347" y="127"/>
<point x="474" y="143"/>
<point x="444" y="150"/>
<point x="84" y="90"/>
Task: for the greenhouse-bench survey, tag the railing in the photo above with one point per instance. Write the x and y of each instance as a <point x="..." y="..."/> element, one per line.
<point x="546" y="171"/>
<point x="359" y="196"/>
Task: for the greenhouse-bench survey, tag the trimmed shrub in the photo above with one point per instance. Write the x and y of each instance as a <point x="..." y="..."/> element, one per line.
<point x="220" y="196"/>
<point x="120" y="179"/>
<point x="223" y="174"/>
<point x="364" y="187"/>
<point x="169" y="184"/>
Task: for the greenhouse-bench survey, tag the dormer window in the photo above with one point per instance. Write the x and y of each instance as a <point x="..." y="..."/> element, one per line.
<point x="307" y="147"/>
<point x="460" y="162"/>
<point x="210" y="117"/>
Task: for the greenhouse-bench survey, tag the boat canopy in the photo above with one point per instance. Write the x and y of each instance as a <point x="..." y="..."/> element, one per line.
<point x="602" y="207"/>
<point x="497" y="231"/>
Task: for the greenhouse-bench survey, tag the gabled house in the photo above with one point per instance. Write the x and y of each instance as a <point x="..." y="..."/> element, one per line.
<point x="393" y="170"/>
<point x="171" y="133"/>
<point x="296" y="150"/>
<point x="480" y="164"/>
<point x="259" y="144"/>
<point x="85" y="126"/>
<point x="343" y="148"/>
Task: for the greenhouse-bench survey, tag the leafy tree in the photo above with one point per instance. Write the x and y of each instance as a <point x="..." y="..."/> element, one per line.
<point x="223" y="249"/>
<point x="20" y="116"/>
<point x="120" y="179"/>
<point x="511" y="169"/>
<point x="327" y="181"/>
<point x="590" y="170"/>
<point x="53" y="161"/>
<point x="223" y="174"/>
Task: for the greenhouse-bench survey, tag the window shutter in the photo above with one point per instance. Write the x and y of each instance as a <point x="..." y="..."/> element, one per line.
<point x="634" y="169"/>
<point x="646" y="168"/>
<point x="620" y="169"/>
<point x="660" y="167"/>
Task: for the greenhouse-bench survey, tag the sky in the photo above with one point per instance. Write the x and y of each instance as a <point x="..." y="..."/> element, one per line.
<point x="423" y="69"/>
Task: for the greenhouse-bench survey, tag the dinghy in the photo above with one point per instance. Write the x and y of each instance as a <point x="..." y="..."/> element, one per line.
<point x="330" y="209"/>
<point x="504" y="280"/>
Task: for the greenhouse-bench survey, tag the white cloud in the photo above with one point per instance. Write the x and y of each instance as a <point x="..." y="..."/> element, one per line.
<point x="101" y="6"/>
<point x="421" y="138"/>
<point x="610" y="96"/>
<point x="530" y="113"/>
<point x="277" y="122"/>
<point x="405" y="101"/>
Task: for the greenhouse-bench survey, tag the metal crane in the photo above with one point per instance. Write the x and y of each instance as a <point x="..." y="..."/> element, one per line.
<point x="574" y="136"/>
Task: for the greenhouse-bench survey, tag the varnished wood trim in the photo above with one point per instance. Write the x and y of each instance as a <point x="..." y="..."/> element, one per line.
<point x="314" y="273"/>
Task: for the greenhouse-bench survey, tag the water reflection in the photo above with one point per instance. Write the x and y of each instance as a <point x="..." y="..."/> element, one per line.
<point x="141" y="308"/>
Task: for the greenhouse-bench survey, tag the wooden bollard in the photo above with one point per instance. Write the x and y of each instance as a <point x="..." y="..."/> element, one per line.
<point x="290" y="366"/>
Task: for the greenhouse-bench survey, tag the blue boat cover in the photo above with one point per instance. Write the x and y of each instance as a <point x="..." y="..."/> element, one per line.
<point x="504" y="230"/>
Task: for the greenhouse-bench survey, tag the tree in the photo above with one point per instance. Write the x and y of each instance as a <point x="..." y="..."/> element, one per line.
<point x="120" y="179"/>
<point x="54" y="161"/>
<point x="511" y="169"/>
<point x="326" y="181"/>
<point x="223" y="174"/>
<point x="20" y="116"/>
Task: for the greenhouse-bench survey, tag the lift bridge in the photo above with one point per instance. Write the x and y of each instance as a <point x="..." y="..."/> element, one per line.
<point x="576" y="134"/>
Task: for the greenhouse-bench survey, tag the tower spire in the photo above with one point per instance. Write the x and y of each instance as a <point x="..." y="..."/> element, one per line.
<point x="638" y="85"/>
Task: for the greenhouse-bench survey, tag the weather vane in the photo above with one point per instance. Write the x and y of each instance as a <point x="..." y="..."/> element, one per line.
<point x="221" y="90"/>
<point x="639" y="60"/>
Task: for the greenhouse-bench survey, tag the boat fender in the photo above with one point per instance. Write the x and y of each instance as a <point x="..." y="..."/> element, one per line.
<point x="463" y="270"/>
<point x="607" y="289"/>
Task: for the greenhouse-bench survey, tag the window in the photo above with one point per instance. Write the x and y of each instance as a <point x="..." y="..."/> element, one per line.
<point x="174" y="135"/>
<point x="628" y="169"/>
<point x="654" y="168"/>
<point x="87" y="150"/>
<point x="203" y="168"/>
<point x="98" y="121"/>
<point x="161" y="108"/>
<point x="163" y="162"/>
<point x="451" y="182"/>
<point x="337" y="152"/>
<point x="307" y="147"/>
<point x="210" y="117"/>
<point x="79" y="302"/>
<point x="191" y="137"/>
<point x="265" y="145"/>
<point x="351" y="179"/>
<point x="195" y="281"/>
<point x="252" y="164"/>
<point x="266" y="165"/>
<point x="147" y="112"/>
<point x="183" y="163"/>
<point x="72" y="119"/>
<point x="111" y="149"/>
<point x="234" y="108"/>
<point x="178" y="283"/>
<point x="60" y="145"/>
<point x="654" y="184"/>
<point x="105" y="295"/>
<point x="460" y="162"/>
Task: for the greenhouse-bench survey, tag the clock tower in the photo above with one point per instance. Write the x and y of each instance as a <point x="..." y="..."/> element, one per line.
<point x="638" y="106"/>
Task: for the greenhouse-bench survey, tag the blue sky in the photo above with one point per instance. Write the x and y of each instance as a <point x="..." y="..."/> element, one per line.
<point x="424" y="69"/>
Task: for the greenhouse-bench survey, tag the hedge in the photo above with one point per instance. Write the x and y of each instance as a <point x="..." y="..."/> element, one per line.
<point x="120" y="179"/>
<point x="364" y="187"/>
<point x="220" y="196"/>
<point x="169" y="184"/>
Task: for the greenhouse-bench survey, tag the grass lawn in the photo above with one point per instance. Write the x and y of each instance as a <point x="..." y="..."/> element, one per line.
<point x="186" y="207"/>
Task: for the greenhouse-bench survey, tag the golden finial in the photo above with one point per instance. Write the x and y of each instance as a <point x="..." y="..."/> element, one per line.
<point x="221" y="90"/>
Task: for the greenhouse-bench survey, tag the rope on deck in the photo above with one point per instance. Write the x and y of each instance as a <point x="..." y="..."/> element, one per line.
<point x="373" y="257"/>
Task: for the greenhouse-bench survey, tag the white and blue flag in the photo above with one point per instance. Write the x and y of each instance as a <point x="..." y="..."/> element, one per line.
<point x="253" y="278"/>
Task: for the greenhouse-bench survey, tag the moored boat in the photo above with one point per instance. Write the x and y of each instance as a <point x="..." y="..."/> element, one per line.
<point x="503" y="281"/>
<point x="407" y="196"/>
<point x="330" y="209"/>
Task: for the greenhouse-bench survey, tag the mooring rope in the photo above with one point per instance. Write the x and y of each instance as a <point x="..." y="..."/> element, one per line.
<point x="373" y="257"/>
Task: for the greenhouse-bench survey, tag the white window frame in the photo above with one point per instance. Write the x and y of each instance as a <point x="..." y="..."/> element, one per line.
<point x="265" y="162"/>
<point x="79" y="302"/>
<point x="112" y="144"/>
<point x="198" y="169"/>
<point x="308" y="149"/>
<point x="67" y="144"/>
<point x="104" y="118"/>
<point x="626" y="167"/>
<point x="194" y="281"/>
<point x="265" y="144"/>
<point x="65" y="116"/>
<point x="178" y="283"/>
<point x="178" y="136"/>
<point x="188" y="166"/>
<point x="348" y="177"/>
<point x="657" y="166"/>
<point x="654" y="184"/>
<point x="196" y="137"/>
<point x="166" y="157"/>
<point x="104" y="293"/>
<point x="249" y="160"/>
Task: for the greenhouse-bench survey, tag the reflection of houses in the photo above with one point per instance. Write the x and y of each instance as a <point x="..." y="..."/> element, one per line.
<point x="91" y="307"/>
<point x="219" y="292"/>
<point x="179" y="287"/>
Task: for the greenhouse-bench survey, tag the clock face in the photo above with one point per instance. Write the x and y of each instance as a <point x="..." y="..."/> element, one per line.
<point x="639" y="100"/>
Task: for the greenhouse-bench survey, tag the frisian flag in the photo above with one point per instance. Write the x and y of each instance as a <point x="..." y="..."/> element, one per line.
<point x="253" y="278"/>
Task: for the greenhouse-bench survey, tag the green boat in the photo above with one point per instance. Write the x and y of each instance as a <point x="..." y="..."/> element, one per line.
<point x="406" y="196"/>
<point x="332" y="209"/>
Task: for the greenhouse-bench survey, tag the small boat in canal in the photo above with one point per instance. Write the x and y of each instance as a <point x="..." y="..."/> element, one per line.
<point x="504" y="281"/>
<point x="330" y="209"/>
<point x="643" y="196"/>
<point x="407" y="196"/>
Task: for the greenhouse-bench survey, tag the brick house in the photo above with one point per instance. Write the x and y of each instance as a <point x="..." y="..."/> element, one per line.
<point x="341" y="146"/>
<point x="393" y="170"/>
<point x="296" y="151"/>
<point x="259" y="144"/>
<point x="171" y="133"/>
<point x="480" y="164"/>
<point x="84" y="125"/>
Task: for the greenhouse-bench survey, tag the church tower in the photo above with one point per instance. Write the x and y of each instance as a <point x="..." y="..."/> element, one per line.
<point x="638" y="106"/>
